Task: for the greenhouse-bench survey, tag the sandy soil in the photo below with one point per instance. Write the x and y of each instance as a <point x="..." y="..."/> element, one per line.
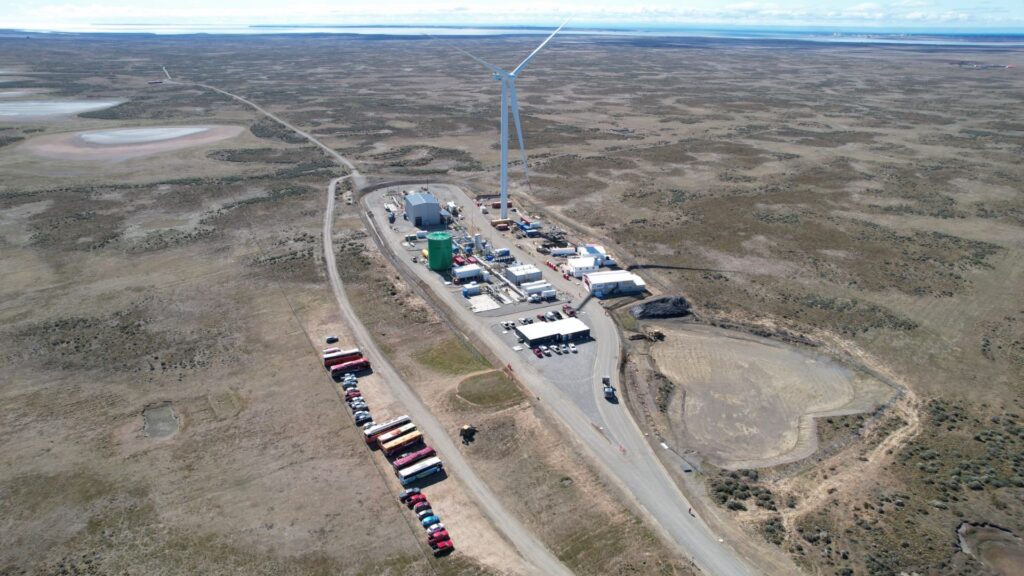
<point x="75" y="146"/>
<point x="999" y="550"/>
<point x="744" y="402"/>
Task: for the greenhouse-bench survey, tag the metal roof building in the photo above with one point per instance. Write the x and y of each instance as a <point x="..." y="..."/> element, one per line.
<point x="613" y="283"/>
<point x="581" y="265"/>
<point x="423" y="209"/>
<point x="558" y="331"/>
<point x="522" y="273"/>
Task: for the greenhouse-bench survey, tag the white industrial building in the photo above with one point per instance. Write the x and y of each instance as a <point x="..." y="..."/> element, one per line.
<point x="598" y="253"/>
<point x="467" y="271"/>
<point x="564" y="330"/>
<point x="535" y="287"/>
<point x="613" y="283"/>
<point x="522" y="274"/>
<point x="581" y="265"/>
<point x="422" y="209"/>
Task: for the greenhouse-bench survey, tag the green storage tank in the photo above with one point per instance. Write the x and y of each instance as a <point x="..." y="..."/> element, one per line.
<point x="439" y="251"/>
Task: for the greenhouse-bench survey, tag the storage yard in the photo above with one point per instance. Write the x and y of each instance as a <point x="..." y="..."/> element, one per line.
<point x="514" y="281"/>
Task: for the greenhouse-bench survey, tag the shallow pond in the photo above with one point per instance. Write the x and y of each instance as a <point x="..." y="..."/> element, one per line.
<point x="43" y="108"/>
<point x="139" y="135"/>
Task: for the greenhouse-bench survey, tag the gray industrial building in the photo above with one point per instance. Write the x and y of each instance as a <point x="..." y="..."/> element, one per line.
<point x="422" y="209"/>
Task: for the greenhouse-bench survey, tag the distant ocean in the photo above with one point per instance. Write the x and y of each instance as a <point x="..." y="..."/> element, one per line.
<point x="933" y="38"/>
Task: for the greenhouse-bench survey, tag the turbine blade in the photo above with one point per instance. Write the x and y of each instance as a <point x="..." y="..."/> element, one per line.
<point x="542" y="44"/>
<point x="519" y="132"/>
<point x="492" y="67"/>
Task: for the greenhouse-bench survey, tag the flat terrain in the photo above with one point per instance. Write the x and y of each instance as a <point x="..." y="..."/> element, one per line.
<point x="742" y="402"/>
<point x="863" y="202"/>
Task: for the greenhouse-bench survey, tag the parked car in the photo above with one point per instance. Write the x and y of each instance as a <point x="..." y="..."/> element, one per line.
<point x="522" y="320"/>
<point x="438" y="542"/>
<point x="420" y="506"/>
<point x="404" y="495"/>
<point x="429" y="521"/>
<point x="332" y="339"/>
<point x="439" y="535"/>
<point x="565" y="348"/>
<point x="444" y="548"/>
<point x="573" y="348"/>
<point x="353" y="393"/>
<point x="359" y="407"/>
<point x="359" y="413"/>
<point x="435" y="528"/>
<point x="541" y="318"/>
<point x="346" y="386"/>
<point x="364" y="419"/>
<point x="538" y="353"/>
<point x="556" y="349"/>
<point x="557" y="315"/>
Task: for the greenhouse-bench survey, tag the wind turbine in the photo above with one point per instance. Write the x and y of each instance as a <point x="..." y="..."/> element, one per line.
<point x="509" y="99"/>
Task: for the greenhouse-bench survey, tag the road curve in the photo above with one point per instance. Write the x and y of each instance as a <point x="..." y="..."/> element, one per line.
<point x="533" y="551"/>
<point x="615" y="442"/>
<point x="530" y="548"/>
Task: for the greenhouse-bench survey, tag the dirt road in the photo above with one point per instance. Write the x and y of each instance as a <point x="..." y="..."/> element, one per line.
<point x="524" y="541"/>
<point x="615" y="442"/>
<point x="532" y="550"/>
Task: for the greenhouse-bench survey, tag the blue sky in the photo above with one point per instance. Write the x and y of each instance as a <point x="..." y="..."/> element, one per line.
<point x="850" y="14"/>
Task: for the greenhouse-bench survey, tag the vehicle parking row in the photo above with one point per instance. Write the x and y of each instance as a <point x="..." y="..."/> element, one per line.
<point x="402" y="444"/>
<point x="437" y="536"/>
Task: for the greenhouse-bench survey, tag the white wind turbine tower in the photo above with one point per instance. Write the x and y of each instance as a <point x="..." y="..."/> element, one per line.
<point x="509" y="99"/>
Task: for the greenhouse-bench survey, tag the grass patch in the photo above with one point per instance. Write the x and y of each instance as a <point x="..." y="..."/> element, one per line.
<point x="452" y="357"/>
<point x="489" y="390"/>
<point x="626" y="320"/>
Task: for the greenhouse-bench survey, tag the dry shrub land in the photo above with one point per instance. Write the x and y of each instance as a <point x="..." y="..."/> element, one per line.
<point x="866" y="198"/>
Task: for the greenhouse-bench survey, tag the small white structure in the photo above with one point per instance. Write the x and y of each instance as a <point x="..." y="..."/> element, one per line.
<point x="558" y="331"/>
<point x="581" y="265"/>
<point x="567" y="251"/>
<point x="522" y="274"/>
<point x="596" y="252"/>
<point x="613" y="283"/>
<point x="422" y="209"/>
<point x="535" y="287"/>
<point x="467" y="271"/>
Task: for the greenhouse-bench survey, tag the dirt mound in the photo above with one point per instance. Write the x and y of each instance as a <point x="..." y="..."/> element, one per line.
<point x="661" y="307"/>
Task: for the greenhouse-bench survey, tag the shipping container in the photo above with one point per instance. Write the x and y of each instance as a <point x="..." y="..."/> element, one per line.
<point x="549" y="294"/>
